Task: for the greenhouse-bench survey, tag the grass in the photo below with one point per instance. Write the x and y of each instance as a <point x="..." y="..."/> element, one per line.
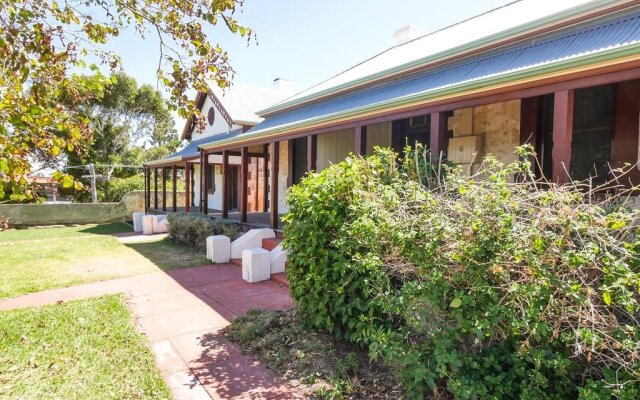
<point x="78" y="231"/>
<point x="40" y="259"/>
<point x="87" y="349"/>
<point x="320" y="365"/>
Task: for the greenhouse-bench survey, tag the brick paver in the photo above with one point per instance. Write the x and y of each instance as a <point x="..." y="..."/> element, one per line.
<point x="182" y="312"/>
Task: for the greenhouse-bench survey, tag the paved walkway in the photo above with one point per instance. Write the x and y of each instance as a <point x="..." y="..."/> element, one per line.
<point x="181" y="312"/>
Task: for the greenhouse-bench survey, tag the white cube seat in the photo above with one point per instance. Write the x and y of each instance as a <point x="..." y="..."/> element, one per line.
<point x="256" y="265"/>
<point x="278" y="259"/>
<point x="219" y="249"/>
<point x="147" y="224"/>
<point x="137" y="221"/>
<point x="160" y="223"/>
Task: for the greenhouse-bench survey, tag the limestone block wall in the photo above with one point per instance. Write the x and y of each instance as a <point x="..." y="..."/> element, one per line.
<point x="76" y="213"/>
<point x="498" y="124"/>
<point x="283" y="177"/>
<point x="255" y="185"/>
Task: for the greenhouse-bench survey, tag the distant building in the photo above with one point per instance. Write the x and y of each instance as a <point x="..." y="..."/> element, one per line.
<point x="48" y="188"/>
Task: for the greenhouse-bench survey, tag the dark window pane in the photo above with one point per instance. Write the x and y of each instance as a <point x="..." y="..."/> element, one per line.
<point x="593" y="124"/>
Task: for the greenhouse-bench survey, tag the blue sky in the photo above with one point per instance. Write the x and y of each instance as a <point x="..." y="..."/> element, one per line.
<point x="308" y="41"/>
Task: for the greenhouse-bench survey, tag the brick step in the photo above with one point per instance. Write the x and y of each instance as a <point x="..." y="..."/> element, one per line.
<point x="270" y="244"/>
<point x="237" y="261"/>
<point x="281" y="279"/>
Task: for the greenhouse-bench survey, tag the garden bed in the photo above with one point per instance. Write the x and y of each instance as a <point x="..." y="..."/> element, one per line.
<point x="319" y="364"/>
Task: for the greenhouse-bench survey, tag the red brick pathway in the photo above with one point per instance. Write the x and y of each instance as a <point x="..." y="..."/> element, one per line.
<point x="181" y="312"/>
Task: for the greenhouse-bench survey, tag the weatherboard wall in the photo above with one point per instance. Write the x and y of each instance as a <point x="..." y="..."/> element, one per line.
<point x="334" y="147"/>
<point x="378" y="135"/>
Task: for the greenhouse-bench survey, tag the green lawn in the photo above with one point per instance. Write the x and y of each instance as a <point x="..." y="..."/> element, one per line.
<point x="37" y="259"/>
<point x="78" y="231"/>
<point x="87" y="349"/>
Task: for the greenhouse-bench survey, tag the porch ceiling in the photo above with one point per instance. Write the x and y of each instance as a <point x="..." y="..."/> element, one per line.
<point x="606" y="40"/>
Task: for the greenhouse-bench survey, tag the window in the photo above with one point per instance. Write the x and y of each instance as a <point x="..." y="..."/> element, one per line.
<point x="211" y="180"/>
<point x="593" y="126"/>
<point x="299" y="158"/>
<point x="418" y="121"/>
<point x="211" y="115"/>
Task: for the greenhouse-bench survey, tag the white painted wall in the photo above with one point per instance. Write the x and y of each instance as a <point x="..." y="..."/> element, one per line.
<point x="196" y="188"/>
<point x="215" y="199"/>
<point x="220" y="125"/>
<point x="217" y="159"/>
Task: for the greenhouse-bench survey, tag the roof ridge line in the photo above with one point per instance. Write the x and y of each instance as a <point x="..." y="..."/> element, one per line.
<point x="407" y="42"/>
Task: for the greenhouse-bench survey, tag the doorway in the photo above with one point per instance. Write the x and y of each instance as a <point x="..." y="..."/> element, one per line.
<point x="233" y="183"/>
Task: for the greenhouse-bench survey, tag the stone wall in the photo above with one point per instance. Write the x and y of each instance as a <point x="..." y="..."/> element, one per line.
<point x="498" y="124"/>
<point x="283" y="177"/>
<point x="75" y="213"/>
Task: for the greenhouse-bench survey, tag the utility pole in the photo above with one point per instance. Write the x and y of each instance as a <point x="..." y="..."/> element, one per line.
<point x="92" y="175"/>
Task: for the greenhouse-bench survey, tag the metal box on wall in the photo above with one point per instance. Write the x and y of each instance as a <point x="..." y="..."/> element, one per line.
<point x="465" y="149"/>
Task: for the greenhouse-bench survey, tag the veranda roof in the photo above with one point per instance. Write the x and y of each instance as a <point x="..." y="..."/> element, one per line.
<point x="191" y="150"/>
<point x="582" y="45"/>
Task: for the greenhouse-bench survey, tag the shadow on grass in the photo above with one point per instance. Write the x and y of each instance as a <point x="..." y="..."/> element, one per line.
<point x="108" y="229"/>
<point x="167" y="255"/>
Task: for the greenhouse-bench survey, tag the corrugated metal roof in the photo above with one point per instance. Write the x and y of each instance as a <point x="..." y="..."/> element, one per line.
<point x="501" y="19"/>
<point x="243" y="101"/>
<point x="573" y="43"/>
<point x="191" y="149"/>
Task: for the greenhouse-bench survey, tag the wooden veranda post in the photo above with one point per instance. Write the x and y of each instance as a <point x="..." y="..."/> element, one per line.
<point x="244" y="176"/>
<point x="225" y="188"/>
<point x="164" y="189"/>
<point x="155" y="188"/>
<point x="204" y="189"/>
<point x="265" y="176"/>
<point x="187" y="187"/>
<point x="147" y="192"/>
<point x="274" y="156"/>
<point x="174" y="173"/>
<point x="438" y="135"/>
<point x="361" y="140"/>
<point x="312" y="153"/>
<point x="562" y="135"/>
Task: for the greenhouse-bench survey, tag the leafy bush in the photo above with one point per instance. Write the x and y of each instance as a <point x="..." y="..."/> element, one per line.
<point x="473" y="288"/>
<point x="192" y="230"/>
<point x="119" y="187"/>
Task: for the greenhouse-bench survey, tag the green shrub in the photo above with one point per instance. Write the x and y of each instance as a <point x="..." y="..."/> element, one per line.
<point x="474" y="288"/>
<point x="119" y="187"/>
<point x="192" y="230"/>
